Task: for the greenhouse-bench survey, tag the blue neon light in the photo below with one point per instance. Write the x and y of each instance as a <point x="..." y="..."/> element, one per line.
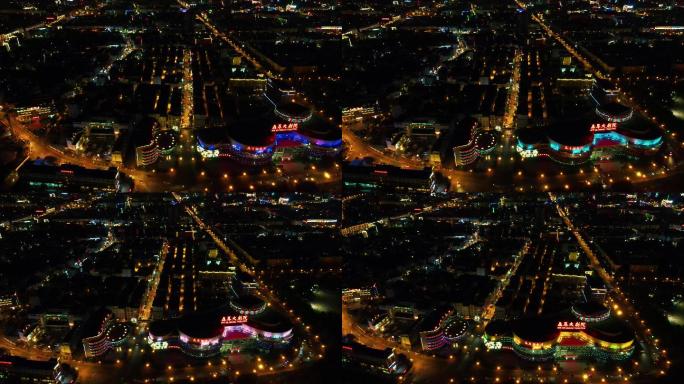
<point x="296" y="136"/>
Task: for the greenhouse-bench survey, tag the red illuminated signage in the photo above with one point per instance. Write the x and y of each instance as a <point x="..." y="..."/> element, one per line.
<point x="571" y="325"/>
<point x="250" y="148"/>
<point x="285" y="127"/>
<point x="227" y="320"/>
<point x="572" y="148"/>
<point x="603" y="127"/>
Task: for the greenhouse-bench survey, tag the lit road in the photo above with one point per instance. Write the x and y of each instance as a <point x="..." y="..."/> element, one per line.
<point x="624" y="96"/>
<point x="151" y="292"/>
<point x="472" y="365"/>
<point x="191" y="173"/>
<point x="136" y="362"/>
<point x="425" y="369"/>
<point x="38" y="148"/>
<point x="85" y="9"/>
<point x="622" y="305"/>
<point x="507" y="171"/>
<point x="246" y="264"/>
<point x="75" y="204"/>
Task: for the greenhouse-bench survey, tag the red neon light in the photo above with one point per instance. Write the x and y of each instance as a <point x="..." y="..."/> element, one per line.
<point x="347" y="348"/>
<point x="66" y="171"/>
<point x="285" y="127"/>
<point x="571" y="326"/>
<point x="255" y="149"/>
<point x="5" y="363"/>
<point x="380" y="172"/>
<point x="227" y="320"/>
<point x="603" y="127"/>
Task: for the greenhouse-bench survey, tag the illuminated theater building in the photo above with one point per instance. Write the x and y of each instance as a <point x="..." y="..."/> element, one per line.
<point x="286" y="127"/>
<point x="147" y="148"/>
<point x="293" y="113"/>
<point x="319" y="138"/>
<point x="473" y="143"/>
<point x="585" y="332"/>
<point x="247" y="142"/>
<point x="103" y="333"/>
<point x="441" y="328"/>
<point x="247" y="323"/>
<point x="611" y="129"/>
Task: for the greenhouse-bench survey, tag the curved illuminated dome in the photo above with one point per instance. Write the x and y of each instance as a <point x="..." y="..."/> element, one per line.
<point x="498" y="328"/>
<point x="529" y="141"/>
<point x="248" y="305"/>
<point x="534" y="339"/>
<point x="293" y="112"/>
<point x="587" y="334"/>
<point x="117" y="333"/>
<point x="497" y="335"/>
<point x="254" y="133"/>
<point x="247" y="141"/>
<point x="612" y="338"/>
<point x="590" y="311"/>
<point x="485" y="142"/>
<point x="570" y="142"/>
<point x="639" y="133"/>
<point x="324" y="137"/>
<point x="535" y="330"/>
<point x="161" y="330"/>
<point x="614" y="112"/>
<point x="200" y="335"/>
<point x="455" y="328"/>
<point x="166" y="141"/>
<point x="433" y="329"/>
<point x="223" y="330"/>
<point x="271" y="326"/>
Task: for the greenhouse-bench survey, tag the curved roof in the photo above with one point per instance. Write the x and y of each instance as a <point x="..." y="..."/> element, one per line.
<point x="614" y="109"/>
<point x="270" y="321"/>
<point x="531" y="135"/>
<point x="253" y="132"/>
<point x="294" y="109"/>
<point x="248" y="302"/>
<point x="319" y="128"/>
<point x="590" y="309"/>
<point x="639" y="127"/>
<point x="499" y="328"/>
<point x="201" y="326"/>
<point x="163" y="328"/>
<point x="572" y="133"/>
<point x="537" y="330"/>
<point x="611" y="330"/>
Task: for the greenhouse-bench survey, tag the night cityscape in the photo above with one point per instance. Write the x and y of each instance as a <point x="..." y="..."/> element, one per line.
<point x="164" y="288"/>
<point x="166" y="95"/>
<point x="515" y="95"/>
<point x="341" y="191"/>
<point x="513" y="288"/>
